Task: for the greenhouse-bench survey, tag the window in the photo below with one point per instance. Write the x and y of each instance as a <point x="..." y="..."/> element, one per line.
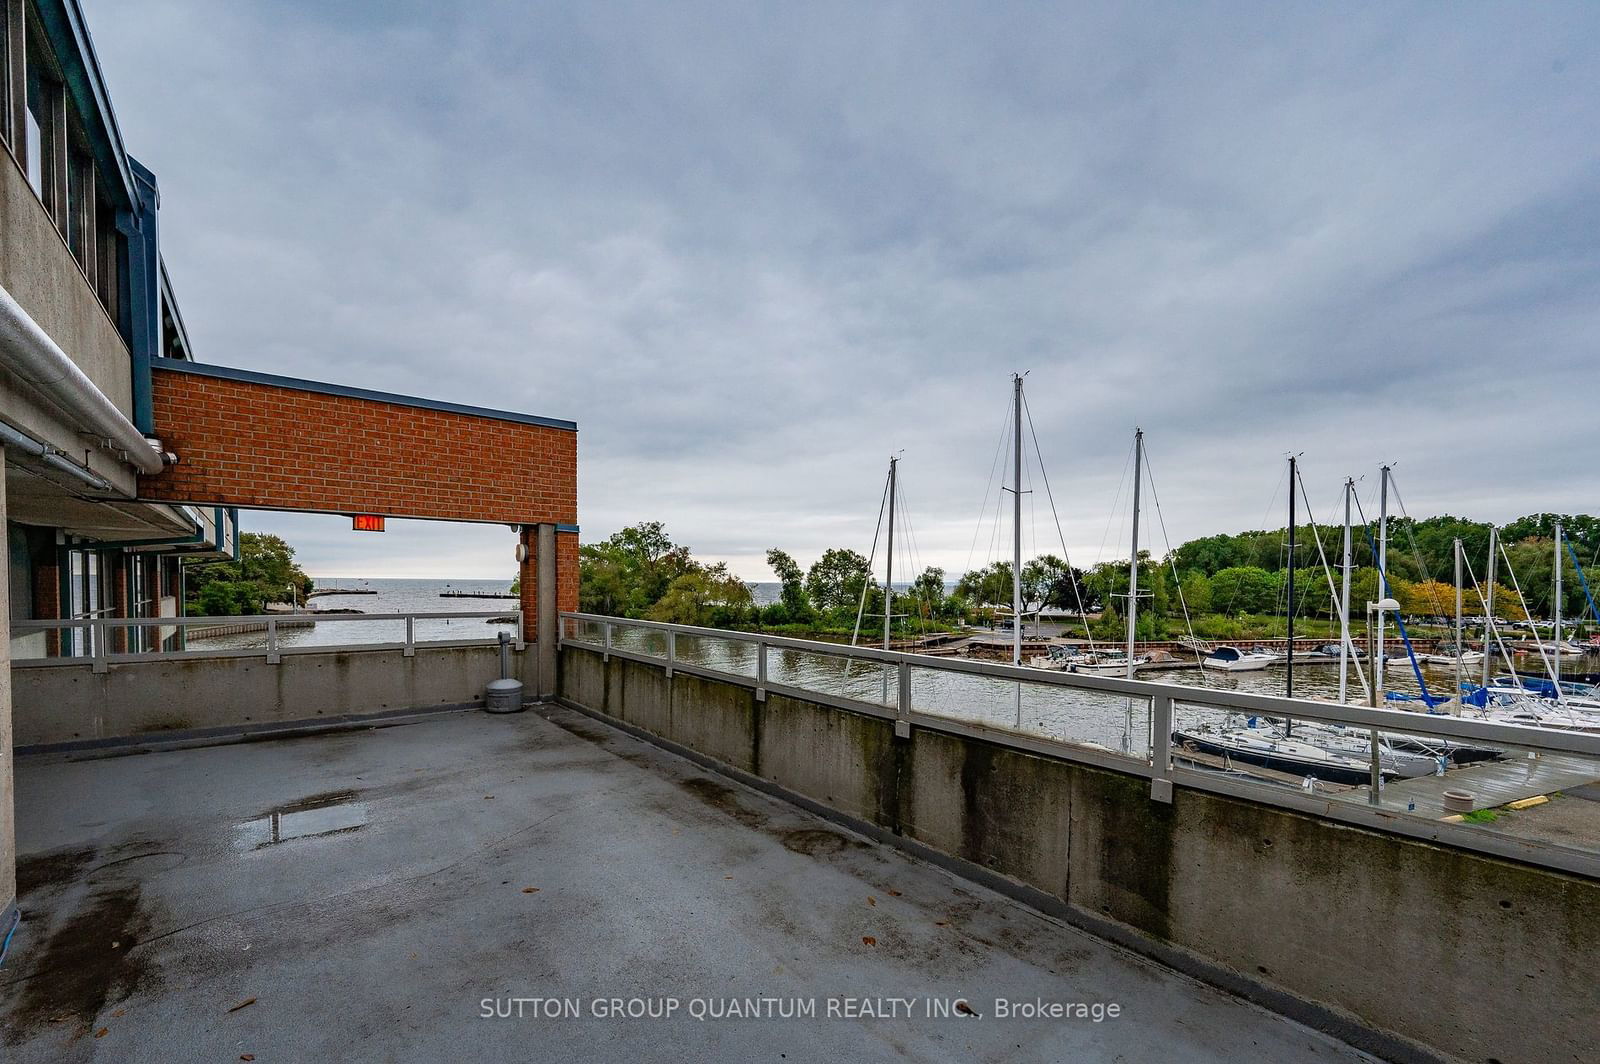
<point x="88" y="596"/>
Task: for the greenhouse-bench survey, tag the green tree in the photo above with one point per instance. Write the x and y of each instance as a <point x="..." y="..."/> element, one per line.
<point x="264" y="572"/>
<point x="626" y="574"/>
<point x="835" y="580"/>
<point x="1244" y="589"/>
<point x="704" y="596"/>
<point x="1197" y="592"/>
<point x="792" y="579"/>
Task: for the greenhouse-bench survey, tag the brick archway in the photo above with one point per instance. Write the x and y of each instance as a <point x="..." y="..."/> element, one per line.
<point x="264" y="442"/>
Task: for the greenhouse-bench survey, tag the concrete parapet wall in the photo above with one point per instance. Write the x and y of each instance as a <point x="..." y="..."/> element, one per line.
<point x="1440" y="952"/>
<point x="70" y="703"/>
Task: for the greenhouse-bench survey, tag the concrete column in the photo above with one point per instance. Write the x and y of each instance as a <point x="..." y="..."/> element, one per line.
<point x="8" y="822"/>
<point x="549" y="622"/>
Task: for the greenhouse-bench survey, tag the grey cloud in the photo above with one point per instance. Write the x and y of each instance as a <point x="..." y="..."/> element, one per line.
<point x="754" y="249"/>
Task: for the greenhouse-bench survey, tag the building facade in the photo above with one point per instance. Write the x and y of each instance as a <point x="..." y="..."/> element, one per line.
<point x="84" y="285"/>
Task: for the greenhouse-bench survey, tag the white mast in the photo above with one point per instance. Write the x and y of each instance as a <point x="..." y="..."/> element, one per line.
<point x="1344" y="597"/>
<point x="1383" y="571"/>
<point x="888" y="565"/>
<point x="1460" y="649"/>
<point x="1488" y="606"/>
<point x="1558" y="591"/>
<point x="1133" y="559"/>
<point x="1016" y="530"/>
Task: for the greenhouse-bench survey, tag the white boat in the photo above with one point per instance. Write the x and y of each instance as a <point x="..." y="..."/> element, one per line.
<point x="1232" y="659"/>
<point x="1106" y="663"/>
<point x="1446" y="656"/>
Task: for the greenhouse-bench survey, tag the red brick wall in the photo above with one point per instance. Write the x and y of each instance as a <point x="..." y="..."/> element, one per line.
<point x="566" y="575"/>
<point x="566" y="571"/>
<point x="266" y="446"/>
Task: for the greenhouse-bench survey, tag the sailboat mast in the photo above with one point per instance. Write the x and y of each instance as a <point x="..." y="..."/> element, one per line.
<point x="1288" y="681"/>
<point x="1488" y="608"/>
<point x="1383" y="571"/>
<point x="1558" y="592"/>
<point x="888" y="565"/>
<point x="1460" y="648"/>
<point x="1133" y="558"/>
<point x="1344" y="597"/>
<point x="1016" y="527"/>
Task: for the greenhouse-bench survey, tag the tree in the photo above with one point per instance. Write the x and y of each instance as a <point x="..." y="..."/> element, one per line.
<point x="835" y="580"/>
<point x="705" y="596"/>
<point x="1244" y="589"/>
<point x="927" y="590"/>
<point x="989" y="586"/>
<point x="1196" y="592"/>
<point x="792" y="579"/>
<point x="265" y="572"/>
<point x="625" y="575"/>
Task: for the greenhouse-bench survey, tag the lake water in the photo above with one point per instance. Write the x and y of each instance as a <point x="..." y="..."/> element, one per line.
<point x="391" y="596"/>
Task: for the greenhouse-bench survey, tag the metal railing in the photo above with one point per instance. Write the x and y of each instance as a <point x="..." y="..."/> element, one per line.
<point x="100" y="629"/>
<point x="1152" y="712"/>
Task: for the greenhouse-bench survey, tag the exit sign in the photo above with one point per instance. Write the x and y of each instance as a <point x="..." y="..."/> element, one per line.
<point x="366" y="523"/>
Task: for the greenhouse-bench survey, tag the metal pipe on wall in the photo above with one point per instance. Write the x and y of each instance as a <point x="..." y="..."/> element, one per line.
<point x="29" y="352"/>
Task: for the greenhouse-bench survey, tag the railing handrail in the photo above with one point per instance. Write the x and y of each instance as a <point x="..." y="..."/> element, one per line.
<point x="191" y="621"/>
<point x="1384" y="720"/>
<point x="101" y="657"/>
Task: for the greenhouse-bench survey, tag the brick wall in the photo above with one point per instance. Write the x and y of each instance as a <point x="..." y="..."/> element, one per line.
<point x="271" y="446"/>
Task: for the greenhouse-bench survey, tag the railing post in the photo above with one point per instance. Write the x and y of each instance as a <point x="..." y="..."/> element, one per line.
<point x="902" y="723"/>
<point x="1161" y="748"/>
<point x="273" y="657"/>
<point x="606" y="654"/>
<point x="672" y="651"/>
<point x="411" y="637"/>
<point x="761" y="670"/>
<point x="1375" y="786"/>
<point x="97" y="634"/>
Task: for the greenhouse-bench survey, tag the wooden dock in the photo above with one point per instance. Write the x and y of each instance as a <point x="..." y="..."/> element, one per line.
<point x="1492" y="783"/>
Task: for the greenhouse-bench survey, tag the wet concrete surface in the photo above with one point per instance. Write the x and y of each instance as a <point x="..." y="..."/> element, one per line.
<point x="371" y="896"/>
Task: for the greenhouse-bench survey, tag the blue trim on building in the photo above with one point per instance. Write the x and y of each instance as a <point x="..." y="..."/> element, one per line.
<point x="175" y="365"/>
<point x="142" y="314"/>
<point x="64" y="25"/>
<point x="566" y="528"/>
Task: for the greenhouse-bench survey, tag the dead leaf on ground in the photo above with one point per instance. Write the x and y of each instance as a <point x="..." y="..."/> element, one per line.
<point x="869" y="940"/>
<point x="102" y="1032"/>
<point x="530" y="890"/>
<point x="119" y="1014"/>
<point x="246" y="1003"/>
<point x="871" y="900"/>
<point x="941" y="923"/>
<point x="894" y="894"/>
<point x="247" y="1056"/>
<point x="965" y="1009"/>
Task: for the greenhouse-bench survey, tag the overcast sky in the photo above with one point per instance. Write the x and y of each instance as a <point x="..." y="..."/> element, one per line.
<point x="753" y="249"/>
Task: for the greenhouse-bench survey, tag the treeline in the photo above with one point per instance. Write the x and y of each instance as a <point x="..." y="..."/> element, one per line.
<point x="640" y="572"/>
<point x="1244" y="571"/>
<point x="1224" y="585"/>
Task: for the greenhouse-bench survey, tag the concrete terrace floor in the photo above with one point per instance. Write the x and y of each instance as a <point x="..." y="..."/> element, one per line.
<point x="396" y="897"/>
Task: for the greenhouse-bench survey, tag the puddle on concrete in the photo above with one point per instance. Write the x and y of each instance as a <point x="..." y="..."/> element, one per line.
<point x="309" y="818"/>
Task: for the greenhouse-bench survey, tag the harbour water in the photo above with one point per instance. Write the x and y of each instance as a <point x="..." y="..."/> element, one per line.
<point x="1070" y="714"/>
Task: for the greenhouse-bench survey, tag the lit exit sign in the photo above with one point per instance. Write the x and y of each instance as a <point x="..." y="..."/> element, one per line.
<point x="366" y="523"/>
